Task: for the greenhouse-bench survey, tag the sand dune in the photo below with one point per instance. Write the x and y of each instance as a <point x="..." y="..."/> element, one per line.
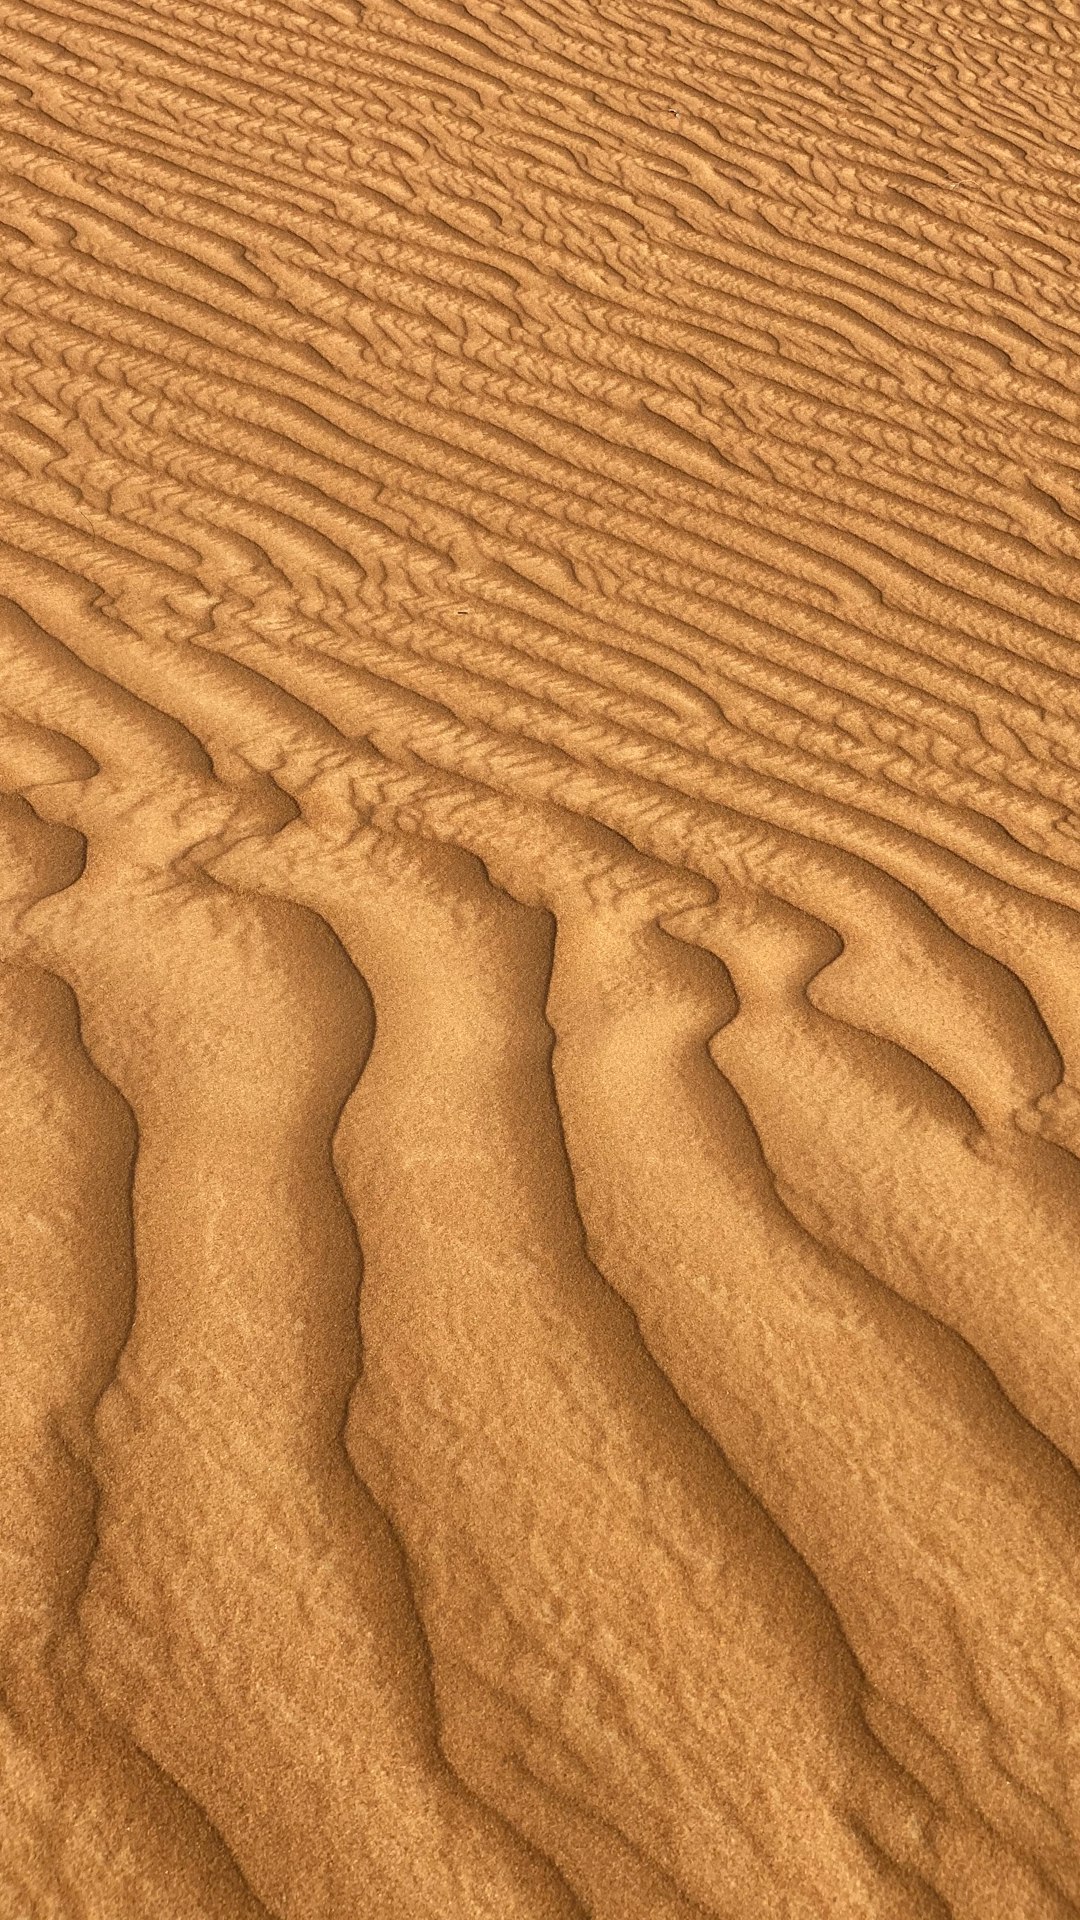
<point x="539" y="959"/>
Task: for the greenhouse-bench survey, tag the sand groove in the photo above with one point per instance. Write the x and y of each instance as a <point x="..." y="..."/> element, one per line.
<point x="539" y="931"/>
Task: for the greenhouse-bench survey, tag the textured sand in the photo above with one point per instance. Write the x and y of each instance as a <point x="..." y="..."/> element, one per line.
<point x="540" y="960"/>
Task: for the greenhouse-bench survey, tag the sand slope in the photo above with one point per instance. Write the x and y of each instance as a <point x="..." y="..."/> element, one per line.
<point x="539" y="961"/>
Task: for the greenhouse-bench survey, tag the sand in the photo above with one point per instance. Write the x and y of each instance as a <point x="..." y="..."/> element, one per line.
<point x="540" y="960"/>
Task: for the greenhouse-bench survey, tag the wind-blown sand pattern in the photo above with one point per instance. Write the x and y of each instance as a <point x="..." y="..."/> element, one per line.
<point x="540" y="960"/>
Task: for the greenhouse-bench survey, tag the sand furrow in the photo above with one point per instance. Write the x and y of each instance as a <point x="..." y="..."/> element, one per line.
<point x="91" y="1825"/>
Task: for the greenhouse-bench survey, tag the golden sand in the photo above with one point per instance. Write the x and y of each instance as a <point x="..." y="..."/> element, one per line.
<point x="540" y="960"/>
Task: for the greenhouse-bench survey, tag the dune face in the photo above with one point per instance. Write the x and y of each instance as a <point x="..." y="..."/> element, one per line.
<point x="540" y="961"/>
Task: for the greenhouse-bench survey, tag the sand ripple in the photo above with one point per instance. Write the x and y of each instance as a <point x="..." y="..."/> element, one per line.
<point x="539" y="941"/>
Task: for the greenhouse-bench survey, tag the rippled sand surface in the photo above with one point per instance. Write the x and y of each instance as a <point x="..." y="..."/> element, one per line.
<point x="540" y="960"/>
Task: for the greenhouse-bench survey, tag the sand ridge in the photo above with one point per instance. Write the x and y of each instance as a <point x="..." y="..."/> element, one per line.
<point x="539" y="921"/>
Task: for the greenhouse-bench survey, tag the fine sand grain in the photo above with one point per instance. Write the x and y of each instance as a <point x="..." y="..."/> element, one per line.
<point x="540" y="960"/>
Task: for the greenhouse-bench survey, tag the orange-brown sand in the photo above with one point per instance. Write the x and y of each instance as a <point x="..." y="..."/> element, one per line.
<point x="540" y="960"/>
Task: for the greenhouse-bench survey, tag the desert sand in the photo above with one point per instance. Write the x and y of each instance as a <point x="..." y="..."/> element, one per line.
<point x="540" y="960"/>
